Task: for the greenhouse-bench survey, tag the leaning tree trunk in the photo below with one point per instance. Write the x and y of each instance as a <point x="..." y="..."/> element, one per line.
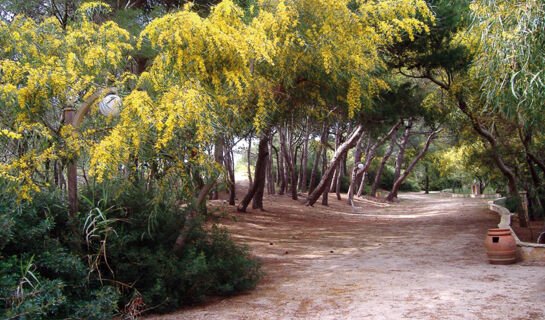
<point x="286" y="151"/>
<point x="338" y="135"/>
<point x="256" y="191"/>
<point x="270" y="168"/>
<point x="218" y="156"/>
<point x="357" y="159"/>
<point x="321" y="148"/>
<point x="370" y="155"/>
<point x="230" y="168"/>
<point x="326" y="189"/>
<point x="505" y="170"/>
<point x="250" y="182"/>
<point x="328" y="174"/>
<point x="382" y="164"/>
<point x="402" y="146"/>
<point x="399" y="181"/>
<point x="341" y="170"/>
<point x="304" y="160"/>
<point x="190" y="221"/>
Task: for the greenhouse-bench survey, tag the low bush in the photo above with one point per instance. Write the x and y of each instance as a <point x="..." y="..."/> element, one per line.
<point x="42" y="271"/>
<point x="115" y="258"/>
<point x="140" y="253"/>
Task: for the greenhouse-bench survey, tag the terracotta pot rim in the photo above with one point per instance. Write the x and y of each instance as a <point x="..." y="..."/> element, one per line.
<point x="499" y="230"/>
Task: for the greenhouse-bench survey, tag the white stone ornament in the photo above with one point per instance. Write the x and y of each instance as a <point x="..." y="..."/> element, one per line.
<point x="110" y="105"/>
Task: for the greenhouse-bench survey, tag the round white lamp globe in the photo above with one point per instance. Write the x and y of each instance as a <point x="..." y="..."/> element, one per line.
<point x="110" y="104"/>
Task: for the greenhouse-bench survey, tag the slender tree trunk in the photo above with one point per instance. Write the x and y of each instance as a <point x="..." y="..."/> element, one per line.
<point x="218" y="156"/>
<point x="370" y="155"/>
<point x="256" y="191"/>
<point x="321" y="148"/>
<point x="505" y="170"/>
<point x="427" y="183"/>
<point x="339" y="178"/>
<point x="250" y="182"/>
<point x="281" y="174"/>
<point x="399" y="181"/>
<point x="402" y="146"/>
<point x="341" y="151"/>
<point x="190" y="221"/>
<point x="382" y="164"/>
<point x="357" y="159"/>
<point x="325" y="193"/>
<point x="270" y="171"/>
<point x="286" y="151"/>
<point x="230" y="167"/>
<point x="304" y="159"/>
<point x="338" y="135"/>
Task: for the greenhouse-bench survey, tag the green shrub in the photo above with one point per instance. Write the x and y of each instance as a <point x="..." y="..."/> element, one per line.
<point x="42" y="270"/>
<point x="140" y="252"/>
<point x="116" y="255"/>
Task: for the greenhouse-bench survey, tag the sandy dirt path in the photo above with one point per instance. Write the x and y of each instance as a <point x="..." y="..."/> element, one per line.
<point x="421" y="258"/>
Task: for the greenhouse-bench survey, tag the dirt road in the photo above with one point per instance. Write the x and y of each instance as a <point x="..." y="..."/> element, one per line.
<point x="421" y="258"/>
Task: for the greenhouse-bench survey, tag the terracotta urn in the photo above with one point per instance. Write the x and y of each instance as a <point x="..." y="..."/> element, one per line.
<point x="501" y="246"/>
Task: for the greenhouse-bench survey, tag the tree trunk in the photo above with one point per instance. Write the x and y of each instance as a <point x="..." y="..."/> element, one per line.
<point x="370" y="154"/>
<point x="321" y="148"/>
<point x="270" y="169"/>
<point x="382" y="164"/>
<point x="326" y="189"/>
<point x="256" y="191"/>
<point x="339" y="153"/>
<point x="304" y="159"/>
<point x="427" y="182"/>
<point x="230" y="167"/>
<point x="281" y="174"/>
<point x="197" y="202"/>
<point x="357" y="159"/>
<point x="505" y="170"/>
<point x="286" y="152"/>
<point x="340" y="175"/>
<point x="399" y="181"/>
<point x="402" y="146"/>
<point x="250" y="182"/>
<point x="218" y="156"/>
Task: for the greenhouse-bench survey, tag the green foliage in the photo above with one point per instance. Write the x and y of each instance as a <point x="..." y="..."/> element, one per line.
<point x="120" y="250"/>
<point x="139" y="253"/>
<point x="42" y="275"/>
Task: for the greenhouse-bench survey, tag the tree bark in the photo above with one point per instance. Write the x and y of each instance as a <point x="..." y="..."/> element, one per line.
<point x="370" y="154"/>
<point x="349" y="143"/>
<point x="256" y="191"/>
<point x="304" y="159"/>
<point x="218" y="156"/>
<point x="402" y="146"/>
<point x="326" y="189"/>
<point x="505" y="170"/>
<point x="340" y="175"/>
<point x="250" y="182"/>
<point x="321" y="148"/>
<point x="198" y="201"/>
<point x="399" y="181"/>
<point x="382" y="164"/>
<point x="285" y="149"/>
<point x="270" y="169"/>
<point x="357" y="159"/>
<point x="230" y="167"/>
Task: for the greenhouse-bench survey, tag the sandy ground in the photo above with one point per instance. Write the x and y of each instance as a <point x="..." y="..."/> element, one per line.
<point x="421" y="258"/>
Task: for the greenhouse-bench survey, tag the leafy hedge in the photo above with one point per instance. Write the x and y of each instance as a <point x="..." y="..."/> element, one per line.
<point x="115" y="258"/>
